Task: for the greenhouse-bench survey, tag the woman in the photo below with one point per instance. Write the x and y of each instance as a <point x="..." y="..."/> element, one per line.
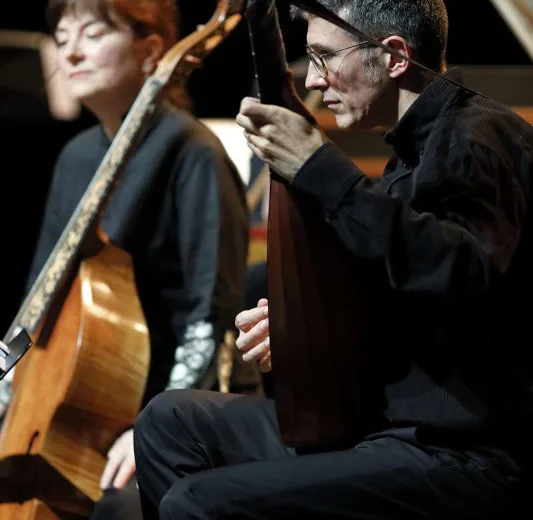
<point x="179" y="209"/>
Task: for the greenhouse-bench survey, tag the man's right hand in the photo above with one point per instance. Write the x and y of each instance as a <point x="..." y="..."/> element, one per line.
<point x="254" y="340"/>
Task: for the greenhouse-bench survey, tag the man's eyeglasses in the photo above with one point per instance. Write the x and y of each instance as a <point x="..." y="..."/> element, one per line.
<point x="319" y="62"/>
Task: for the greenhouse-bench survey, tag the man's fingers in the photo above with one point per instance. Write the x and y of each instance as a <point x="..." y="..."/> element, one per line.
<point x="252" y="127"/>
<point x="260" y="112"/>
<point x="257" y="352"/>
<point x="260" y="145"/>
<point x="249" y="125"/>
<point x="253" y="337"/>
<point x="265" y="364"/>
<point x="275" y="115"/>
<point x="249" y="99"/>
<point x="245" y="320"/>
<point x="258" y="152"/>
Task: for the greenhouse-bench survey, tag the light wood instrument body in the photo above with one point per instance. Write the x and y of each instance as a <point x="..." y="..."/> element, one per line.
<point x="84" y="387"/>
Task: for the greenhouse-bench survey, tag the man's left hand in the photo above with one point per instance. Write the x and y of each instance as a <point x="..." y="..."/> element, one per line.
<point x="279" y="137"/>
<point x="120" y="465"/>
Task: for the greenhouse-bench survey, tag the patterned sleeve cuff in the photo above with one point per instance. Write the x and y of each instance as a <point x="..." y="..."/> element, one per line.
<point x="193" y="356"/>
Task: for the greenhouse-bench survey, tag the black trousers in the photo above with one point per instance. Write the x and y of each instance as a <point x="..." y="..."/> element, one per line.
<point x="205" y="455"/>
<point x="119" y="504"/>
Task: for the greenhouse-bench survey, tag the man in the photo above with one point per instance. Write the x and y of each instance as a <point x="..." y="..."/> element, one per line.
<point x="448" y="400"/>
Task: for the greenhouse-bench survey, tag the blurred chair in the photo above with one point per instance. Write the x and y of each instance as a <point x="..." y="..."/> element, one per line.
<point x="232" y="138"/>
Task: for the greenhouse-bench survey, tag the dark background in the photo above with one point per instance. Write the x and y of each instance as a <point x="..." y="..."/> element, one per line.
<point x="31" y="139"/>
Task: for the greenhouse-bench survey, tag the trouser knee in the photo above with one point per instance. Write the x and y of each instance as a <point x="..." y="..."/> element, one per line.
<point x="158" y="417"/>
<point x="183" y="502"/>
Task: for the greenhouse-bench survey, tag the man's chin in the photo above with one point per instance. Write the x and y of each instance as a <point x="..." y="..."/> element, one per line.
<point x="345" y="122"/>
<point x="351" y="124"/>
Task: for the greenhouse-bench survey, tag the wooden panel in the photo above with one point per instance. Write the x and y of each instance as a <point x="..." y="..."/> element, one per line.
<point x="526" y="113"/>
<point x="371" y="166"/>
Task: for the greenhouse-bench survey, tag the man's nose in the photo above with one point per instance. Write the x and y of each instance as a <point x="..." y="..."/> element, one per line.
<point x="314" y="81"/>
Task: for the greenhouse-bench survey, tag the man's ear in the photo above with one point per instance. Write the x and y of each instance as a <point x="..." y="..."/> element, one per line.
<point x="397" y="66"/>
<point x="154" y="46"/>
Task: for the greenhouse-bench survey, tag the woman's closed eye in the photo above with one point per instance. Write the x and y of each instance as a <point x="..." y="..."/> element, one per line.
<point x="95" y="33"/>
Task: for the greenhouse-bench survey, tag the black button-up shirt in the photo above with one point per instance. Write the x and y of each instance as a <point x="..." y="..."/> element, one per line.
<point x="448" y="227"/>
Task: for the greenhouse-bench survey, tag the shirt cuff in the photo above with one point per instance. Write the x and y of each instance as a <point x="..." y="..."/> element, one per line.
<point x="328" y="174"/>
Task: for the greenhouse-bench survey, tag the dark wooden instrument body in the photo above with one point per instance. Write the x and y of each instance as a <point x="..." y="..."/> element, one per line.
<point x="315" y="286"/>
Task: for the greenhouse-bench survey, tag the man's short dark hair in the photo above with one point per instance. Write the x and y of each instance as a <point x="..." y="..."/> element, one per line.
<point x="422" y="23"/>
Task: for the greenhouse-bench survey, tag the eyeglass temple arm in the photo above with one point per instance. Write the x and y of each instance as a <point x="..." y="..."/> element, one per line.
<point x="331" y="53"/>
<point x="312" y="6"/>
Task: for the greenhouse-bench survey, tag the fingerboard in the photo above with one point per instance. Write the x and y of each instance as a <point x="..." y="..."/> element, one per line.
<point x="268" y="50"/>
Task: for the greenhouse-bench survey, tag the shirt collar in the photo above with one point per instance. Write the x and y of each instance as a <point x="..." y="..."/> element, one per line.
<point x="408" y="136"/>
